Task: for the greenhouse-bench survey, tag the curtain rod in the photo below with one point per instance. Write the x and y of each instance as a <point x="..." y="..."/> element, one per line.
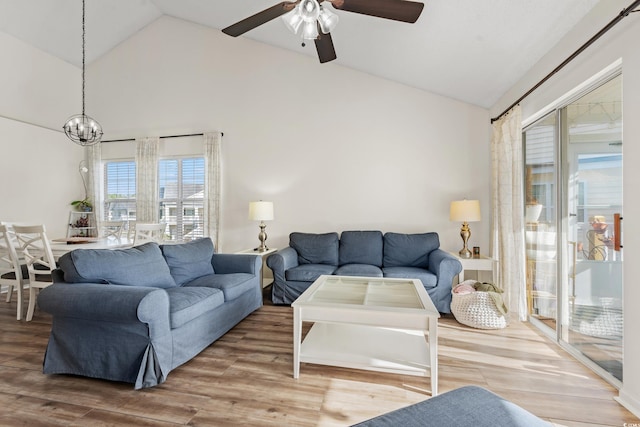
<point x="621" y="15"/>
<point x="164" y="137"/>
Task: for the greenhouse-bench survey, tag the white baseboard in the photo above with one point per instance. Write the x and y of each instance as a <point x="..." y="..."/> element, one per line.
<point x="629" y="402"/>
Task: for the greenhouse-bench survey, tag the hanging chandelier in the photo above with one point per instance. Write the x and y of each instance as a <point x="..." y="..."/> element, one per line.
<point x="308" y="15"/>
<point x="80" y="128"/>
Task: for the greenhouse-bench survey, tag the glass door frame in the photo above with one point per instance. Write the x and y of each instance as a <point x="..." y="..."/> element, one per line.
<point x="563" y="257"/>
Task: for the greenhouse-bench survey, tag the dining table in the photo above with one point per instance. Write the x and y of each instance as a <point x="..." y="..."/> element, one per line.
<point x="61" y="246"/>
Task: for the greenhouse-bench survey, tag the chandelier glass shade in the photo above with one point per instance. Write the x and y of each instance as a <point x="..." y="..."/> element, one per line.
<point x="80" y="128"/>
<point x="305" y="18"/>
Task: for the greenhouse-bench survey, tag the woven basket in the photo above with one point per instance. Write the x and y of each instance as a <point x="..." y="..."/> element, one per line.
<point x="478" y="310"/>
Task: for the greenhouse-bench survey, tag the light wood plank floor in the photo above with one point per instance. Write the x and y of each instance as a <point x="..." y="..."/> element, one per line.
<point x="245" y="378"/>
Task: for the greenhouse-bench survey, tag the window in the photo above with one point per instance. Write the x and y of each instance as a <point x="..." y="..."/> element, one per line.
<point x="120" y="191"/>
<point x="181" y="196"/>
<point x="181" y="191"/>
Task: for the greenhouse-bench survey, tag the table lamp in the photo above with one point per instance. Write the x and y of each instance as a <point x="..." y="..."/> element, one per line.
<point x="465" y="211"/>
<point x="261" y="211"/>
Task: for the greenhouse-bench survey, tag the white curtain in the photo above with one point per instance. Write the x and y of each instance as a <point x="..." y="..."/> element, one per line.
<point x="508" y="210"/>
<point x="147" y="209"/>
<point x="93" y="159"/>
<point x="212" y="186"/>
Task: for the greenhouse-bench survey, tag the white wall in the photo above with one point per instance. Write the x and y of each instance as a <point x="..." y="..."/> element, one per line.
<point x="38" y="166"/>
<point x="333" y="148"/>
<point x="620" y="42"/>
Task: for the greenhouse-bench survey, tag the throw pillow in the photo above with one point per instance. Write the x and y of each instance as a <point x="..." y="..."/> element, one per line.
<point x="188" y="261"/>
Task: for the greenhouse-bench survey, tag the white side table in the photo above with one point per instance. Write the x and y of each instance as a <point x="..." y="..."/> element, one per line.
<point x="266" y="274"/>
<point x="478" y="264"/>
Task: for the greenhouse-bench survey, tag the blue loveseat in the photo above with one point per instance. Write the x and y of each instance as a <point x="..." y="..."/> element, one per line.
<point x="133" y="315"/>
<point x="363" y="253"/>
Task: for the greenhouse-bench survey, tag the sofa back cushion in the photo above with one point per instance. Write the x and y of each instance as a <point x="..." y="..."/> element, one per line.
<point x="361" y="247"/>
<point x="315" y="248"/>
<point x="188" y="261"/>
<point x="409" y="250"/>
<point x="138" y="266"/>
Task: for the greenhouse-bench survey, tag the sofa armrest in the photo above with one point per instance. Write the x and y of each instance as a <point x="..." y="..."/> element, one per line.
<point x="445" y="266"/>
<point x="110" y="303"/>
<point x="281" y="261"/>
<point x="236" y="263"/>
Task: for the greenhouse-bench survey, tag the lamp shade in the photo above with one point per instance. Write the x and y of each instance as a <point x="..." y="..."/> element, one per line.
<point x="465" y="211"/>
<point x="261" y="211"/>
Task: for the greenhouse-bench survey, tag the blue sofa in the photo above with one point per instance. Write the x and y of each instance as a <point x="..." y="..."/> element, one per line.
<point x="133" y="315"/>
<point x="466" y="406"/>
<point x="363" y="253"/>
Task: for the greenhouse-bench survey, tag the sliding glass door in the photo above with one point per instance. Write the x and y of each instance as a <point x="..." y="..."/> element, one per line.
<point x="541" y="220"/>
<point x="573" y="159"/>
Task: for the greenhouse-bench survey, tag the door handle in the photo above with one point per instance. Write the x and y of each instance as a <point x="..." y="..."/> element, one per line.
<point x="617" y="244"/>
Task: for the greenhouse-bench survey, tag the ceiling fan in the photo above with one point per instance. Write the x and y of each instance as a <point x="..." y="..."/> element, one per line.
<point x="315" y="22"/>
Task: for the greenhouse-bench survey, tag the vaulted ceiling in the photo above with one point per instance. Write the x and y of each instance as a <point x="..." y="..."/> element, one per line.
<point x="470" y="50"/>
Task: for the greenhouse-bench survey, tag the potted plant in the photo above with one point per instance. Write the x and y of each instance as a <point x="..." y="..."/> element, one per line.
<point x="83" y="205"/>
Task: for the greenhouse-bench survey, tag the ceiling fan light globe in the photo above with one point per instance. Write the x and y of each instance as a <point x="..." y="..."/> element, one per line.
<point x="293" y="20"/>
<point x="327" y="19"/>
<point x="309" y="10"/>
<point x="310" y="31"/>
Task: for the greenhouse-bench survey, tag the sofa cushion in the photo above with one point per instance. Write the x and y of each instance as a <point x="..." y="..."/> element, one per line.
<point x="361" y="247"/>
<point x="188" y="261"/>
<point x="141" y="265"/>
<point x="308" y="272"/>
<point x="365" y="270"/>
<point x="185" y="304"/>
<point x="232" y="285"/>
<point x="428" y="279"/>
<point x="315" y="248"/>
<point x="465" y="406"/>
<point x="409" y="250"/>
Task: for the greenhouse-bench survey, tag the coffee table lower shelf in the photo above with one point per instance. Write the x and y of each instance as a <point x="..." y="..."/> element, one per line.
<point x="367" y="347"/>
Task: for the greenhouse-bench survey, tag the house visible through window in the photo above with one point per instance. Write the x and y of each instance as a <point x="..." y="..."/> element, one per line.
<point x="181" y="196"/>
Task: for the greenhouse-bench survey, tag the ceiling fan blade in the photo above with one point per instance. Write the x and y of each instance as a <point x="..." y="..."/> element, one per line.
<point x="324" y="46"/>
<point x="259" y="18"/>
<point x="398" y="10"/>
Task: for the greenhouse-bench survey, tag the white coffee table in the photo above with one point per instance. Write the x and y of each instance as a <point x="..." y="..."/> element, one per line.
<point x="378" y="324"/>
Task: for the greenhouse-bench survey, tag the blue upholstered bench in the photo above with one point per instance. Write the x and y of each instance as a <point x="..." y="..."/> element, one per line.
<point x="465" y="406"/>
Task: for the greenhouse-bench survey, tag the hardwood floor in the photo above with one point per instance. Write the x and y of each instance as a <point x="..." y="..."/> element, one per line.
<point x="245" y="378"/>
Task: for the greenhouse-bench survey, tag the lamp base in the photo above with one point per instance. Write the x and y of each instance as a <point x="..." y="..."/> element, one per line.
<point x="465" y="233"/>
<point x="464" y="253"/>
<point x="262" y="236"/>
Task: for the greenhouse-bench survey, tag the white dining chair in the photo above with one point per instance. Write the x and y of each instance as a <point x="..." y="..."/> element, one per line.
<point x="111" y="229"/>
<point x="149" y="232"/>
<point x="131" y="229"/>
<point x="33" y="243"/>
<point x="11" y="274"/>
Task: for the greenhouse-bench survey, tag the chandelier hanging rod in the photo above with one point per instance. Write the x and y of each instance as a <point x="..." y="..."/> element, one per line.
<point x="80" y="128"/>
